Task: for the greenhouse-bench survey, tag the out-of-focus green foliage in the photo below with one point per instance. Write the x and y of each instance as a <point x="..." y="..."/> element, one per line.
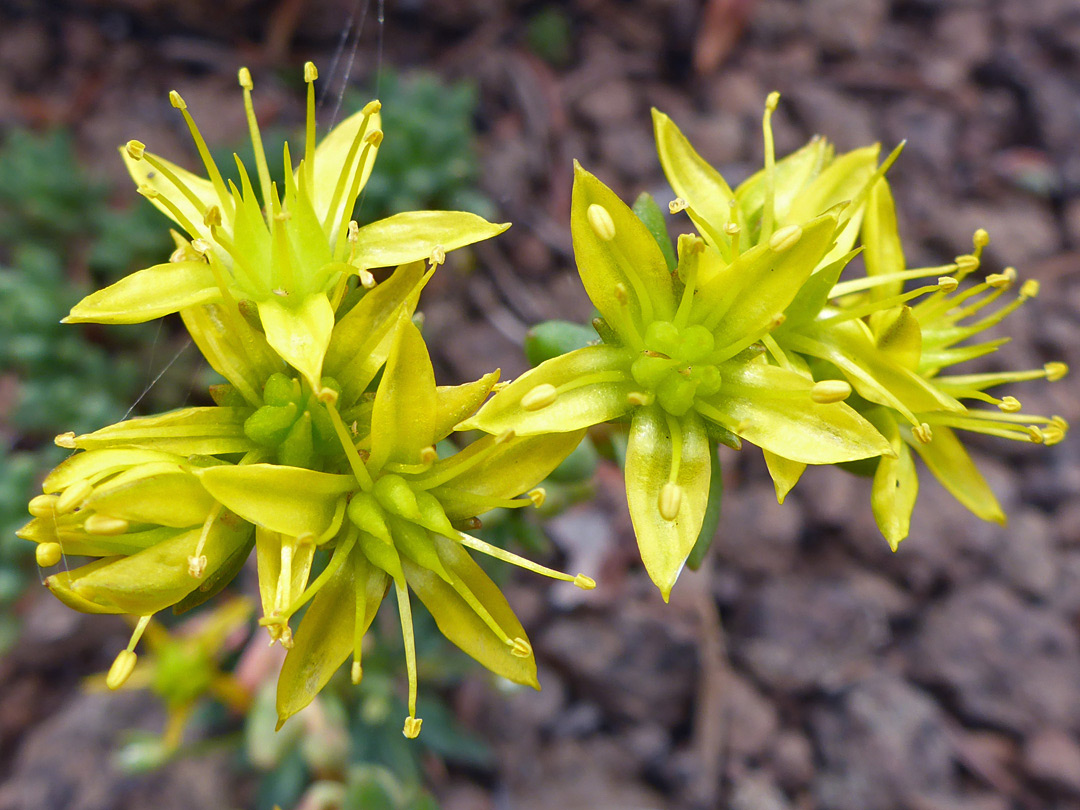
<point x="550" y="35"/>
<point x="428" y="159"/>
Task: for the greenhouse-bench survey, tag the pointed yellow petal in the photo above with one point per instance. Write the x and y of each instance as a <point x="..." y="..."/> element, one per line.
<point x="896" y="486"/>
<point x="148" y="294"/>
<point x="785" y="473"/>
<point x="300" y="334"/>
<point x="416" y="235"/>
<point x="954" y="468"/>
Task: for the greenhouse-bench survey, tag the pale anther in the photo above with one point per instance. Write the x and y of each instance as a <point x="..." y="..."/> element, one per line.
<point x="923" y="433"/>
<point x="135" y="149"/>
<point x="42" y="505"/>
<point x="244" y="76"/>
<point x="539" y="397"/>
<point x="121" y="669"/>
<point x="67" y="440"/>
<point x="785" y="238"/>
<point x="731" y="229"/>
<point x="1055" y="370"/>
<point x="105" y="525"/>
<point x="197" y="566"/>
<point x="412" y="727"/>
<point x="601" y="222"/>
<point x="826" y="392"/>
<point x="1029" y="289"/>
<point x="947" y="283"/>
<point x="584" y="582"/>
<point x="311" y="73"/>
<point x="670" y="500"/>
<point x="520" y="648"/>
<point x="200" y="246"/>
<point x="438" y="256"/>
<point x="48" y="554"/>
<point x="356" y="672"/>
<point x="1010" y="404"/>
<point x="429" y="455"/>
<point x="538" y="496"/>
<point x="677" y="205"/>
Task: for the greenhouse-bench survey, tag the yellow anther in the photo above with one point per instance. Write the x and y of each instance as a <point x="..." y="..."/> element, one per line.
<point x="42" y="505"/>
<point x="1059" y="423"/>
<point x="200" y="246"/>
<point x="353" y="232"/>
<point x="772" y="100"/>
<point x="670" y="500"/>
<point x="356" y="672"/>
<point x="538" y="496"/>
<point x="286" y="638"/>
<point x="196" y="566"/>
<point x="147" y="191"/>
<point x="244" y="76"/>
<point x="105" y="525"/>
<point x="176" y="100"/>
<point x="584" y="582"/>
<point x="829" y="391"/>
<point x="923" y="433"/>
<point x="777" y="321"/>
<point x="212" y="217"/>
<point x="1010" y="405"/>
<point x="135" y="149"/>
<point x="48" y="554"/>
<point x="73" y="497"/>
<point x="947" y="283"/>
<point x="621" y="294"/>
<point x="981" y="238"/>
<point x="412" y="727"/>
<point x="374" y="138"/>
<point x="966" y="263"/>
<point x="372" y="107"/>
<point x="520" y="648"/>
<point x="311" y="73"/>
<point x="1055" y="370"/>
<point x="999" y="281"/>
<point x="429" y="455"/>
<point x="1035" y="434"/>
<point x="367" y="281"/>
<point x="677" y="205"/>
<point x="1029" y="289"/>
<point x="438" y="256"/>
<point x="121" y="669"/>
<point x="1052" y="435"/>
<point x="731" y="229"/>
<point x="67" y="440"/>
<point x="328" y="396"/>
<point x="785" y="238"/>
<point x="539" y="397"/>
<point x="601" y="222"/>
<point x="282" y="216"/>
<point x="641" y="397"/>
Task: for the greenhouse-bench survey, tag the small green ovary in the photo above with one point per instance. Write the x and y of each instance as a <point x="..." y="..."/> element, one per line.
<point x="674" y="366"/>
<point x="293" y="423"/>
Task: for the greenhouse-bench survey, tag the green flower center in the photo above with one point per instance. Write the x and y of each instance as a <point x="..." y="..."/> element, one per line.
<point x="674" y="365"/>
<point x="293" y="423"/>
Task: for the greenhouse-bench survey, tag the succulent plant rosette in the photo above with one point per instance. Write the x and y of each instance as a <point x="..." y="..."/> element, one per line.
<point x="328" y="452"/>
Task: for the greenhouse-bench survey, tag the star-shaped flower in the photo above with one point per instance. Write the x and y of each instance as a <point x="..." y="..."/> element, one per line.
<point x="682" y="360"/>
<point x="292" y="255"/>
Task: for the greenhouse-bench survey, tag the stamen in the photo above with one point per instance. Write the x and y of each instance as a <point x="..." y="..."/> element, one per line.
<point x="437" y="257"/>
<point x="197" y="561"/>
<point x="256" y="138"/>
<point x="947" y="284"/>
<point x="124" y="663"/>
<point x="923" y="433"/>
<point x="204" y="153"/>
<point x="185" y="223"/>
<point x="311" y="73"/>
<point x="67" y="440"/>
<point x="356" y="671"/>
<point x="869" y="282"/>
<point x="462" y="462"/>
<point x="537" y="496"/>
<point x="539" y="397"/>
<point x="521" y="648"/>
<point x="467" y="540"/>
<point x="169" y="175"/>
<point x="48" y="554"/>
<point x="1010" y="405"/>
<point x="601" y="222"/>
<point x="769" y="212"/>
<point x="370" y="109"/>
<point x="677" y="205"/>
<point x="337" y="559"/>
<point x="1055" y="370"/>
<point x="670" y="500"/>
<point x="785" y="238"/>
<point x="371" y="141"/>
<point x="980" y="239"/>
<point x="734" y="232"/>
<point x="73" y="497"/>
<point x="1029" y="289"/>
<point x="827" y="392"/>
<point x="412" y="723"/>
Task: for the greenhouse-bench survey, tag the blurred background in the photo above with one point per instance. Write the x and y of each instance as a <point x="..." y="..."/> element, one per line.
<point x="805" y="667"/>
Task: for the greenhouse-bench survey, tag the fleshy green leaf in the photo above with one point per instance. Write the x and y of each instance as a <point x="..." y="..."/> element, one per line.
<point x="771" y="407"/>
<point x="646" y="209"/>
<point x="654" y="438"/>
<point x="552" y="338"/>
<point x="148" y="294"/>
<point x="325" y="636"/>
<point x="954" y="468"/>
<point x="187" y="432"/>
<point x="300" y="334"/>
<point x="460" y="623"/>
<point x="592" y="386"/>
<point x="289" y="500"/>
<point x="414" y="236"/>
<point x="403" y="418"/>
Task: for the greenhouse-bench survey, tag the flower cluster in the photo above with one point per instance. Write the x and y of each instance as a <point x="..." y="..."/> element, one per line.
<point x="329" y="435"/>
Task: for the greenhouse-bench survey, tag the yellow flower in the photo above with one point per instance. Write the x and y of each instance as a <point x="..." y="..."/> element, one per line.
<point x="292" y="255"/>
